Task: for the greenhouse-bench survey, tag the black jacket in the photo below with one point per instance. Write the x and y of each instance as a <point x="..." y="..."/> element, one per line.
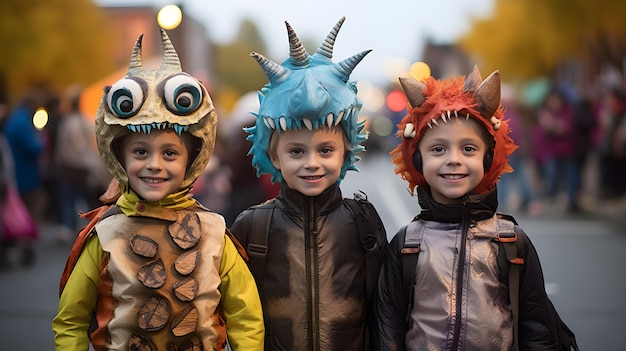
<point x="313" y="287"/>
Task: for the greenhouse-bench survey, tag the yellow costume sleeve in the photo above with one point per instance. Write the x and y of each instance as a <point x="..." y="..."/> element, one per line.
<point x="78" y="301"/>
<point x="240" y="300"/>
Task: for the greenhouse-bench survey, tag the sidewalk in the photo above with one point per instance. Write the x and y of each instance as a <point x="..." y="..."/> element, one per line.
<point x="29" y="296"/>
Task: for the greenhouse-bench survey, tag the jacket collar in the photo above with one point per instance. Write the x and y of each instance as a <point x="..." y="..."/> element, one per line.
<point x="476" y="206"/>
<point x="294" y="202"/>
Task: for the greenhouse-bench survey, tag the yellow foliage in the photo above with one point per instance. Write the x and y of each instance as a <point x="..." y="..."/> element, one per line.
<point x="530" y="38"/>
<point x="52" y="42"/>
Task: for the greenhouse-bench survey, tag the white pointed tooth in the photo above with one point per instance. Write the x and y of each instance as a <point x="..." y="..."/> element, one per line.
<point x="434" y="121"/>
<point x="330" y="120"/>
<point x="307" y="123"/>
<point x="467" y="117"/>
<point x="408" y="129"/>
<point x="338" y="120"/>
<point x="429" y="125"/>
<point x="283" y="123"/>
<point x="448" y="114"/>
<point x="456" y="114"/>
<point x="443" y="117"/>
<point x="270" y="123"/>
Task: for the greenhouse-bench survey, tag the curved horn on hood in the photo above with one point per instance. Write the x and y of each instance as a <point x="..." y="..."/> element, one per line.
<point x="346" y="66"/>
<point x="170" y="57"/>
<point x="326" y="49"/>
<point x="136" y="57"/>
<point x="473" y="80"/>
<point x="272" y="70"/>
<point x="488" y="95"/>
<point x="297" y="52"/>
<point x="414" y="90"/>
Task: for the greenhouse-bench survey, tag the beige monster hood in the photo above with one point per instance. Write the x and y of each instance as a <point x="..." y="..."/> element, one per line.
<point x="166" y="98"/>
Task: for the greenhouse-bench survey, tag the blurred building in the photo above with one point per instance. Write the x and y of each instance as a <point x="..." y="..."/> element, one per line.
<point x="190" y="39"/>
<point x="446" y="60"/>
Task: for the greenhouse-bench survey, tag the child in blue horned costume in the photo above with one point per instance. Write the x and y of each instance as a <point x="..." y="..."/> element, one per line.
<point x="318" y="259"/>
<point x="458" y="294"/>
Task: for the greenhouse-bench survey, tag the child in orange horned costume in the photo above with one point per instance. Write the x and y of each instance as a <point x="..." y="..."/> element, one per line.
<point x="441" y="285"/>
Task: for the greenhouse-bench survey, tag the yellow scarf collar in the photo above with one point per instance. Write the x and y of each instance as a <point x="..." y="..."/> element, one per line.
<point x="130" y="203"/>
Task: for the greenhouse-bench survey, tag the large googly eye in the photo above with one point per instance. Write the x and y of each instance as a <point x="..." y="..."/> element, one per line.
<point x="182" y="94"/>
<point x="125" y="98"/>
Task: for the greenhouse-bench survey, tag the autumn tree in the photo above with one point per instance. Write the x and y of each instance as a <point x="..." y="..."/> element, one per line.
<point x="532" y="38"/>
<point x="238" y="73"/>
<point x="52" y="42"/>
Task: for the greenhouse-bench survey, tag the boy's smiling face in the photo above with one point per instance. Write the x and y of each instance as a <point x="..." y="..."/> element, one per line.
<point x="452" y="158"/>
<point x="310" y="160"/>
<point x="155" y="162"/>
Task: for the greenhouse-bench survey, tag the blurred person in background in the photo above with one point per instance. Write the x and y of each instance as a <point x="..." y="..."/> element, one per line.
<point x="247" y="188"/>
<point x="613" y="144"/>
<point x="518" y="185"/>
<point x="212" y="188"/>
<point x="27" y="148"/>
<point x="6" y="169"/>
<point x="585" y="146"/>
<point x="81" y="174"/>
<point x="556" y="136"/>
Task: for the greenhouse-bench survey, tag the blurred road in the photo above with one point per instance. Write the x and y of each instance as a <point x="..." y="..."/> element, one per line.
<point x="581" y="258"/>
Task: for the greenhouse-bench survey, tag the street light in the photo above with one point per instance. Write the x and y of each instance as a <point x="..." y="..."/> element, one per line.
<point x="169" y="17"/>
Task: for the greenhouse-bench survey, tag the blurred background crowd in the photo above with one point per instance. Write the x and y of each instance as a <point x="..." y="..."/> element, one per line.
<point x="563" y="88"/>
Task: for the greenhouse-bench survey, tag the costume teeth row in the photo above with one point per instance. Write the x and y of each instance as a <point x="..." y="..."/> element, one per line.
<point x="330" y="120"/>
<point x="147" y="128"/>
<point x="409" y="128"/>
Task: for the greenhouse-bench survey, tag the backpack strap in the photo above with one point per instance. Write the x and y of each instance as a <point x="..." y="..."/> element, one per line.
<point x="372" y="237"/>
<point x="411" y="239"/>
<point x="507" y="237"/>
<point x="257" y="242"/>
<point x="511" y="241"/>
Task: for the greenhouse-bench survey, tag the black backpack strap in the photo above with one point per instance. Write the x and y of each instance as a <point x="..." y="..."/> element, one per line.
<point x="372" y="237"/>
<point x="257" y="242"/>
<point x="511" y="265"/>
<point x="410" y="240"/>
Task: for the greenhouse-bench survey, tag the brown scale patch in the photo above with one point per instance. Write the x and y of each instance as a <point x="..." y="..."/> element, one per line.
<point x="152" y="274"/>
<point x="139" y="343"/>
<point x="143" y="246"/>
<point x="193" y="344"/>
<point x="187" y="262"/>
<point x="154" y="314"/>
<point x="185" y="322"/>
<point x="186" y="230"/>
<point x="186" y="289"/>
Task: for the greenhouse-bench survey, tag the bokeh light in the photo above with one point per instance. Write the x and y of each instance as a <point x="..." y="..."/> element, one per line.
<point x="395" y="68"/>
<point x="169" y="17"/>
<point x="419" y="71"/>
<point x="396" y="101"/>
<point x="40" y="118"/>
<point x="372" y="97"/>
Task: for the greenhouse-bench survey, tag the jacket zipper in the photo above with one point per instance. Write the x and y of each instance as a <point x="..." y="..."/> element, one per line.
<point x="312" y="281"/>
<point x="460" y="274"/>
